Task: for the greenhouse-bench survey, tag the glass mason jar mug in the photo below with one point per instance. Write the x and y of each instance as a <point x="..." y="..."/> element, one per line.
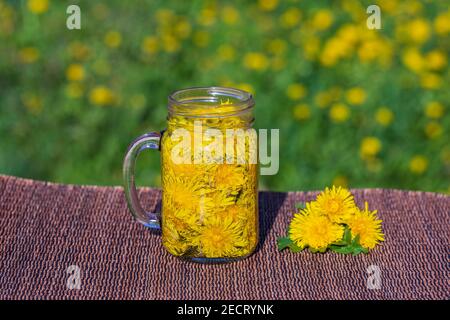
<point x="209" y="175"/>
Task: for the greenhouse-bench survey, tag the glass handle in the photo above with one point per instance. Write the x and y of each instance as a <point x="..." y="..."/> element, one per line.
<point x="149" y="140"/>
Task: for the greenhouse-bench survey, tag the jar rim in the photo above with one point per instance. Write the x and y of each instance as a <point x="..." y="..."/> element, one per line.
<point x="181" y="102"/>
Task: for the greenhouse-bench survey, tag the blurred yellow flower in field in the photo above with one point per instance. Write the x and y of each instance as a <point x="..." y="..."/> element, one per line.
<point x="75" y="72"/>
<point x="101" y="96"/>
<point x="38" y="6"/>
<point x="277" y="46"/>
<point x="226" y="52"/>
<point x="74" y="90"/>
<point x="349" y="33"/>
<point x="207" y="17"/>
<point x="278" y="63"/>
<point x="433" y="130"/>
<point x="256" y="61"/>
<point x="356" y="96"/>
<point x="311" y="47"/>
<point x="230" y="15"/>
<point x="442" y="23"/>
<point x="150" y="45"/>
<point x="413" y="59"/>
<point x="418" y="164"/>
<point x="302" y="112"/>
<point x="340" y="181"/>
<point x="296" y="91"/>
<point x="436" y="60"/>
<point x="322" y="99"/>
<point x="164" y="16"/>
<point x="201" y="38"/>
<point x="434" y="110"/>
<point x="384" y="116"/>
<point x="113" y="39"/>
<point x="246" y="87"/>
<point x="78" y="50"/>
<point x="290" y="18"/>
<point x="170" y="44"/>
<point x="28" y="54"/>
<point x="333" y="50"/>
<point x="32" y="102"/>
<point x="430" y="81"/>
<point x="267" y="5"/>
<point x="370" y="147"/>
<point x="339" y="112"/>
<point x="182" y="28"/>
<point x="419" y="30"/>
<point x="389" y="6"/>
<point x="322" y="19"/>
<point x="376" y="49"/>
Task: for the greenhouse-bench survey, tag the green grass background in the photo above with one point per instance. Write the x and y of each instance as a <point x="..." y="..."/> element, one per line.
<point x="60" y="138"/>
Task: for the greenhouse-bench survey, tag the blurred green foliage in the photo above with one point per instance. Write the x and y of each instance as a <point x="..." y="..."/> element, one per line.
<point x="357" y="107"/>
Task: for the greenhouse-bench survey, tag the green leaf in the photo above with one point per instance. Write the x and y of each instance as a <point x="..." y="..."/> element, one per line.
<point x="347" y="235"/>
<point x="300" y="205"/>
<point x="283" y="243"/>
<point x="343" y="250"/>
<point x="286" y="242"/>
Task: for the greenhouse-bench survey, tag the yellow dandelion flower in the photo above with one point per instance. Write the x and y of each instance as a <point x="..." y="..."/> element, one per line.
<point x="207" y="16"/>
<point x="302" y="112"/>
<point x="442" y="23"/>
<point x="322" y="19"/>
<point x="256" y="61"/>
<point x="340" y="181"/>
<point x="33" y="103"/>
<point x="150" y="45"/>
<point x="183" y="28"/>
<point x="296" y="91"/>
<point x="230" y="15"/>
<point x="418" y="164"/>
<point x="101" y="96"/>
<point x="75" y="72"/>
<point x="335" y="203"/>
<point x="433" y="130"/>
<point x="113" y="39"/>
<point x="220" y="238"/>
<point x="169" y="43"/>
<point x="436" y="60"/>
<point x="267" y="5"/>
<point x="290" y="18"/>
<point x="356" y="96"/>
<point x="277" y="46"/>
<point x="384" y="116"/>
<point x="201" y="38"/>
<point x="434" y="110"/>
<point x="38" y="6"/>
<point x="310" y="229"/>
<point x="78" y="50"/>
<point x="339" y="112"/>
<point x="413" y="60"/>
<point x="419" y="30"/>
<point x="173" y="237"/>
<point x="430" y="81"/>
<point x="365" y="224"/>
<point x="227" y="175"/>
<point x="226" y="52"/>
<point x="28" y="54"/>
<point x="235" y="213"/>
<point x="370" y="147"/>
<point x="74" y="90"/>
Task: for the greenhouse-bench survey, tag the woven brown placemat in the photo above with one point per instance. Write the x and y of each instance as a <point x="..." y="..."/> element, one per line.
<point x="45" y="228"/>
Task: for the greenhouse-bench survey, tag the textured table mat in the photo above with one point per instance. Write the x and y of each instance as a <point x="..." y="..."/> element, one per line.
<point x="45" y="228"/>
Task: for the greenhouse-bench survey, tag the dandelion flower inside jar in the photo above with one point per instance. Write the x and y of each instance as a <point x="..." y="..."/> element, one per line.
<point x="209" y="175"/>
